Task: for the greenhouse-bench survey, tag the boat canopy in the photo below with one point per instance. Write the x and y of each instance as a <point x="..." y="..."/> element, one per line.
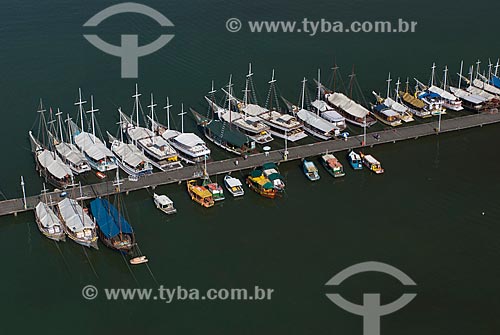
<point x="442" y="93"/>
<point x="487" y="87"/>
<point x="129" y="153"/>
<point x="170" y="134"/>
<point x="46" y="216"/>
<point x="332" y="116"/>
<point x="233" y="182"/>
<point x="495" y="81"/>
<point x="53" y="164"/>
<point x="316" y="121"/>
<point x="189" y="140"/>
<point x="228" y="134"/>
<point x="389" y="102"/>
<point x="321" y="105"/>
<point x="255" y="173"/>
<point x="92" y="146"/>
<point x="275" y="176"/>
<point x="71" y="153"/>
<point x="163" y="200"/>
<point x="310" y="167"/>
<point x="254" y="110"/>
<point x="428" y="94"/>
<point x="412" y="100"/>
<point x="370" y="159"/>
<point x="74" y="216"/>
<point x="469" y="97"/>
<point x="267" y="166"/>
<point x="261" y="180"/>
<point x="110" y="221"/>
<point x="382" y="108"/>
<point x="339" y="100"/>
<point x="138" y="133"/>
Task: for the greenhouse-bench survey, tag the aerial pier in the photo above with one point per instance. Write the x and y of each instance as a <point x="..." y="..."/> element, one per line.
<point x="85" y="192"/>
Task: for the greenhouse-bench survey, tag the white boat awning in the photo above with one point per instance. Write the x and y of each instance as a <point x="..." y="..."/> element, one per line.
<point x="189" y="140"/>
<point x="53" y="164"/>
<point x="442" y="93"/>
<point x="74" y="216"/>
<point x="254" y="110"/>
<point x="129" y="153"/>
<point x="71" y="153"/>
<point x="316" y="121"/>
<point x="233" y="182"/>
<point x="339" y="100"/>
<point x="333" y="116"/>
<point x="320" y="105"/>
<point x="92" y="146"/>
<point x="163" y="200"/>
<point x="46" y="216"/>
<point x="469" y="97"/>
<point x="395" y="105"/>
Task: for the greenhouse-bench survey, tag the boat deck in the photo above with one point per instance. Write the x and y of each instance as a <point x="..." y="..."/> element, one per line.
<point x="14" y="206"/>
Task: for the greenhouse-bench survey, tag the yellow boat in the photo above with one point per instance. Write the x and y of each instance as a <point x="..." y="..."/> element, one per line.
<point x="200" y="194"/>
<point x="260" y="184"/>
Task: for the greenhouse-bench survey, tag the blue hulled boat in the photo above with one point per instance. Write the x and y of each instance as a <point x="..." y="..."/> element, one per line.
<point x="113" y="229"/>
<point x="355" y="160"/>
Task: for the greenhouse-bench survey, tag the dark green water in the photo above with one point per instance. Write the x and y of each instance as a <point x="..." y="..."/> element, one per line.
<point x="424" y="216"/>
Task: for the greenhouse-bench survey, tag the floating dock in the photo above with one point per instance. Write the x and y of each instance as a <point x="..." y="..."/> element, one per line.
<point x="85" y="192"/>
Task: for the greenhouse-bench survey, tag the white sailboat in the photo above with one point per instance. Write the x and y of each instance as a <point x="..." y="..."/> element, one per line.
<point x="68" y="152"/>
<point x="190" y="147"/>
<point x="77" y="223"/>
<point x="249" y="124"/>
<point x="313" y="123"/>
<point x="449" y="100"/>
<point x="129" y="158"/>
<point x="98" y="155"/>
<point x="47" y="221"/>
<point x="162" y="154"/>
<point x="48" y="163"/>
<point x="324" y="110"/>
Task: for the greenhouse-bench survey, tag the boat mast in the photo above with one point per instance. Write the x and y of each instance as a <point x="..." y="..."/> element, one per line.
<point x="407" y="84"/>
<point x="319" y="85"/>
<point x="303" y="92"/>
<point x="389" y="80"/>
<point x="460" y="75"/>
<point x="167" y="108"/>
<point x="489" y="69"/>
<point x="272" y="89"/>
<point x="433" y="68"/>
<point x="496" y="67"/>
<point x="92" y="111"/>
<point x="136" y="97"/>
<point x="59" y="121"/>
<point x="42" y="125"/>
<point x="152" y="109"/>
<point x="398" y="83"/>
<point x="80" y="104"/>
<point x="69" y="130"/>
<point x="182" y="117"/>
<point x="212" y="94"/>
<point x="335" y="68"/>
<point x="477" y="69"/>
<point x="471" y="72"/>
<point x="445" y="76"/>
<point x="229" y="90"/>
<point x="247" y="89"/>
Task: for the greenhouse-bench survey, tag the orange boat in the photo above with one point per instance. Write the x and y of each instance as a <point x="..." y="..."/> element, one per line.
<point x="260" y="184"/>
<point x="200" y="194"/>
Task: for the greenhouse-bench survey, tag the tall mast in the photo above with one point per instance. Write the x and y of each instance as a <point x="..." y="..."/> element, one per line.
<point x="398" y="83"/>
<point x="152" y="109"/>
<point x="229" y="90"/>
<point x="212" y="95"/>
<point x="460" y="75"/>
<point x="182" y="117"/>
<point x="167" y="107"/>
<point x="407" y="84"/>
<point x="496" y="67"/>
<point x="272" y="89"/>
<point x="303" y="92"/>
<point x="445" y="76"/>
<point x="471" y="73"/>
<point x="80" y="104"/>
<point x="489" y="69"/>
<point x="43" y="124"/>
<point x="92" y="111"/>
<point x="389" y="86"/>
<point x="334" y="68"/>
<point x="59" y="121"/>
<point x="319" y="84"/>
<point x="249" y="78"/>
<point x="477" y="69"/>
<point x="69" y="130"/>
<point x="136" y="97"/>
<point x="433" y="73"/>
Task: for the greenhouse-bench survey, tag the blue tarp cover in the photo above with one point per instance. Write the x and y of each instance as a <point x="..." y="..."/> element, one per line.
<point x="427" y="94"/>
<point x="495" y="81"/>
<point x="108" y="219"/>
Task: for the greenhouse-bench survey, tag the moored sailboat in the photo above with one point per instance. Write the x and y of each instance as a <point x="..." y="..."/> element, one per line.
<point x="47" y="221"/>
<point x="77" y="223"/>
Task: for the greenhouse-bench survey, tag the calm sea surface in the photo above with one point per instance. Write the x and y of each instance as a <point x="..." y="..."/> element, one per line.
<point x="434" y="214"/>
